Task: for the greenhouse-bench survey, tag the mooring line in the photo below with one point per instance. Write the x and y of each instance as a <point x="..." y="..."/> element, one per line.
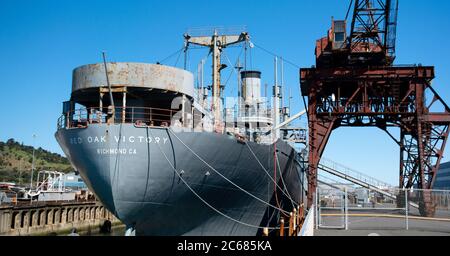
<point x="234" y="184"/>
<point x="204" y="201"/>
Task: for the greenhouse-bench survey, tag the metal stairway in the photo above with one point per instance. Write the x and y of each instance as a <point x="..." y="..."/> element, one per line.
<point x="358" y="178"/>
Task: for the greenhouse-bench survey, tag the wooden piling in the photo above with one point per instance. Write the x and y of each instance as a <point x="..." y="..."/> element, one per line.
<point x="295" y="221"/>
<point x="291" y="224"/>
<point x="282" y="226"/>
<point x="301" y="214"/>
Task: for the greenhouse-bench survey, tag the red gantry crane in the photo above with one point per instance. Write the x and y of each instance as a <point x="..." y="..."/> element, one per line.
<point x="355" y="84"/>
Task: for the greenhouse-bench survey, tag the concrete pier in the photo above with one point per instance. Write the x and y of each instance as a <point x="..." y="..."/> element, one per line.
<point x="41" y="219"/>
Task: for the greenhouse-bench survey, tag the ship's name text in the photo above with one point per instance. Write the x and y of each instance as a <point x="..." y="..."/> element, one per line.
<point x="117" y="139"/>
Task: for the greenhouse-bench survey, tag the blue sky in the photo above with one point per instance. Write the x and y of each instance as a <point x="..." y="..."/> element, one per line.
<point x="41" y="42"/>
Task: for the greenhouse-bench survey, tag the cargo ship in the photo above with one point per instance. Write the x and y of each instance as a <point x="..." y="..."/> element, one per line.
<point x="167" y="158"/>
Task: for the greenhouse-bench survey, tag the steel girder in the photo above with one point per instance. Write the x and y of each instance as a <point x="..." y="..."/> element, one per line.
<point x="380" y="97"/>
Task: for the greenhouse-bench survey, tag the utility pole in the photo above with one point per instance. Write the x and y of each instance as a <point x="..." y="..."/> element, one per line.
<point x="32" y="163"/>
<point x="20" y="171"/>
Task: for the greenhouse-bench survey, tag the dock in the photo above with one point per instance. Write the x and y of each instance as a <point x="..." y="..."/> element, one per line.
<point x="387" y="225"/>
<point x="44" y="218"/>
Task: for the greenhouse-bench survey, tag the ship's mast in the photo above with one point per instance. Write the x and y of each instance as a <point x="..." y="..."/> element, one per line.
<point x="216" y="43"/>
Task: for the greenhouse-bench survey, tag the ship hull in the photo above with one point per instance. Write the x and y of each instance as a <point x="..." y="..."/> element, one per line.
<point x="163" y="182"/>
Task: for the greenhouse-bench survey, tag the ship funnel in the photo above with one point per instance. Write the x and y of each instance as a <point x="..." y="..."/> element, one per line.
<point x="251" y="87"/>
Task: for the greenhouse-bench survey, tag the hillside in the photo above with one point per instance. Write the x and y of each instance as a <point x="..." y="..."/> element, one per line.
<point x="16" y="160"/>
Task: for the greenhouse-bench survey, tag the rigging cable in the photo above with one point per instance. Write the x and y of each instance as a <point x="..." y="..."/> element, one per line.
<point x="178" y="58"/>
<point x="201" y="199"/>
<point x="171" y="55"/>
<point x="284" y="184"/>
<point x="221" y="175"/>
<point x="245" y="57"/>
<point x="265" y="170"/>
<point x="306" y="107"/>
<point x="116" y="174"/>
<point x="275" y="176"/>
<point x="251" y="57"/>
<point x="233" y="69"/>
<point x="276" y="55"/>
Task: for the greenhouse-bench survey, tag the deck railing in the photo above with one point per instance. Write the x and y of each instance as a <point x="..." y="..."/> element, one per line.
<point x="145" y="116"/>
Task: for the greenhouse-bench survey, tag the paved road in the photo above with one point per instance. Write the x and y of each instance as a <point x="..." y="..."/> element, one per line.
<point x="384" y="226"/>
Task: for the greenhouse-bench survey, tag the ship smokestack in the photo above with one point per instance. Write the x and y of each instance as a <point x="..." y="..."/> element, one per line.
<point x="251" y="87"/>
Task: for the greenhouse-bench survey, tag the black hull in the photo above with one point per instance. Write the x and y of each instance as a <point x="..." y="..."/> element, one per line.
<point x="133" y="171"/>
